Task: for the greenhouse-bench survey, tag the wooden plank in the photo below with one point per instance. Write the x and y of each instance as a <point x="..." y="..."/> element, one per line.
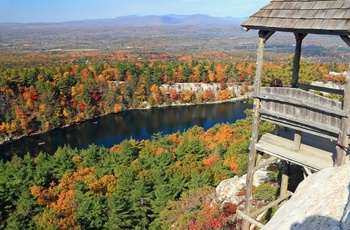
<point x="346" y="5"/>
<point x="309" y="14"/>
<point x="340" y="14"/>
<point x="304" y="103"/>
<point x="330" y="24"/>
<point x="330" y="14"/>
<point x="301" y="127"/>
<point x="309" y="124"/>
<point x="308" y="156"/>
<point x="248" y="218"/>
<point x="299" y="93"/>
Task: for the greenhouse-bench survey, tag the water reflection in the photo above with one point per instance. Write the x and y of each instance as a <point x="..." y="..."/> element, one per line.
<point x="141" y="124"/>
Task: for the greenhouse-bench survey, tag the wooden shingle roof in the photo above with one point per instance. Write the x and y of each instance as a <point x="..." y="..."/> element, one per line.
<point x="303" y="16"/>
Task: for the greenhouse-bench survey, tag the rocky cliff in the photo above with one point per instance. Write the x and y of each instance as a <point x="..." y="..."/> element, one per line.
<point x="320" y="202"/>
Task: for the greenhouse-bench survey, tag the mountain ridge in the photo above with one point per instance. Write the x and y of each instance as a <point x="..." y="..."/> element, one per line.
<point x="143" y="21"/>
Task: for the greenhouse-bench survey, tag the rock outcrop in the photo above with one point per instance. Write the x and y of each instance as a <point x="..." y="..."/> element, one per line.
<point x="233" y="189"/>
<point x="201" y="87"/>
<point x="320" y="202"/>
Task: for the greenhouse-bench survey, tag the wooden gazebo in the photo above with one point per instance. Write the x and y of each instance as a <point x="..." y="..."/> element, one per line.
<point x="318" y="127"/>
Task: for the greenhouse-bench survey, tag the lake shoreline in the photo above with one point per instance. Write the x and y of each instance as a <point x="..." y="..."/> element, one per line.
<point x="15" y="138"/>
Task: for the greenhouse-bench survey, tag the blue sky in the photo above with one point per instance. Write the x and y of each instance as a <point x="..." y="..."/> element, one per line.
<point x="71" y="10"/>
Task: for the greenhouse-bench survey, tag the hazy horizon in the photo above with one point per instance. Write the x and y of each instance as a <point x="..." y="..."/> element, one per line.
<point x="23" y="11"/>
<point x="227" y="18"/>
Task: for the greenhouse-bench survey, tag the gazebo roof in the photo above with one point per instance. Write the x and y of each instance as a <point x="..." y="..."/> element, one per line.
<point x="303" y="16"/>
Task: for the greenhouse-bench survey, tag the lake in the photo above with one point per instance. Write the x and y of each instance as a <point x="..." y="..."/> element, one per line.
<point x="137" y="124"/>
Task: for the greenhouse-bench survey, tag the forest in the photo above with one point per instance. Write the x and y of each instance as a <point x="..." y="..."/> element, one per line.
<point x="162" y="183"/>
<point x="38" y="99"/>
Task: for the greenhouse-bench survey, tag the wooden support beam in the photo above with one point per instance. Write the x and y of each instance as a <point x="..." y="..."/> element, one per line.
<point x="258" y="159"/>
<point x="320" y="88"/>
<point x="285" y="177"/>
<point x="297" y="55"/>
<point x="306" y="171"/>
<point x="346" y="39"/>
<point x="263" y="37"/>
<point x="297" y="140"/>
<point x="266" y="163"/>
<point x="248" y="218"/>
<point x="273" y="203"/>
<point x="343" y="139"/>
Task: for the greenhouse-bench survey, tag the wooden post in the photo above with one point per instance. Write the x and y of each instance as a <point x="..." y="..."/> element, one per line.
<point x="297" y="140"/>
<point x="343" y="139"/>
<point x="296" y="62"/>
<point x="263" y="37"/>
<point x="285" y="178"/>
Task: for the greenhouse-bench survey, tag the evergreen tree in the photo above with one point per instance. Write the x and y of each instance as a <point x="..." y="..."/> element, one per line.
<point x="118" y="212"/>
<point x="140" y="198"/>
<point x="91" y="211"/>
<point x="49" y="107"/>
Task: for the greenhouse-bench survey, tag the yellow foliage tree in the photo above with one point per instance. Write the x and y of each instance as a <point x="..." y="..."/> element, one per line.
<point x="188" y="96"/>
<point x="156" y="94"/>
<point x="10" y="128"/>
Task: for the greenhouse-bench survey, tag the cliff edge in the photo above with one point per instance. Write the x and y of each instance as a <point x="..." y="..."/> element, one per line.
<point x="321" y="201"/>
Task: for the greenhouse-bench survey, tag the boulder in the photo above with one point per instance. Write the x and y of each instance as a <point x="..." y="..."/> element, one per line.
<point x="321" y="201"/>
<point x="233" y="189"/>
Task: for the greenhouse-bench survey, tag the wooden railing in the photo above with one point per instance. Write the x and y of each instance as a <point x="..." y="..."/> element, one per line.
<point x="301" y="110"/>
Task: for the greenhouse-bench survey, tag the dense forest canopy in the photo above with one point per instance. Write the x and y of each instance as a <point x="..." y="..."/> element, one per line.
<point x="37" y="99"/>
<point x="41" y="98"/>
<point x="134" y="185"/>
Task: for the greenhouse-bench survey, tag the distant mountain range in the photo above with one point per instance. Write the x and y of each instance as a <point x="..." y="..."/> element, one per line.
<point x="142" y="21"/>
<point x="167" y="20"/>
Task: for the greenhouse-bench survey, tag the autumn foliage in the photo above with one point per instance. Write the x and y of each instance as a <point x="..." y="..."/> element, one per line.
<point x="152" y="184"/>
<point x="38" y="99"/>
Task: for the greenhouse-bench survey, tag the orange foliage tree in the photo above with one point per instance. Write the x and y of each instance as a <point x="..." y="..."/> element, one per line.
<point x="225" y="94"/>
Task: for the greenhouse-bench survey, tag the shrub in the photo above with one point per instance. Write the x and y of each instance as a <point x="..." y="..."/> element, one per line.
<point x="265" y="192"/>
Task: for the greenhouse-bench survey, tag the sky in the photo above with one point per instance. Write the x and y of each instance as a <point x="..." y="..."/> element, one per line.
<point x="26" y="11"/>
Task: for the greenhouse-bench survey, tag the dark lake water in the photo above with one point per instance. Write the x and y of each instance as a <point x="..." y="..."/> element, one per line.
<point x="138" y="124"/>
